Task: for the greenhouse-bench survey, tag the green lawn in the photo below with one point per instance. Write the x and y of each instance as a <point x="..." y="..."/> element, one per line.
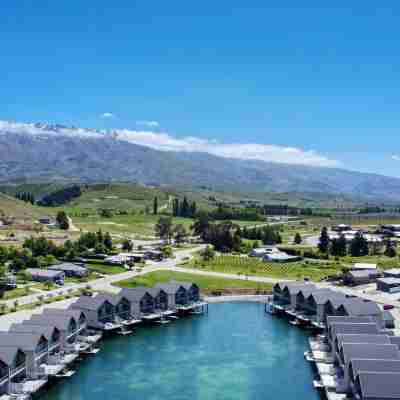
<point x="102" y="268"/>
<point x="205" y="283"/>
<point x="125" y="224"/>
<point x="15" y="293"/>
<point x="253" y="266"/>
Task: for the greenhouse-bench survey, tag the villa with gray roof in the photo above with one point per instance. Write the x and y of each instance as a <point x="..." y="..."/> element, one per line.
<point x="71" y="270"/>
<point x="46" y="275"/>
<point x="377" y="386"/>
<point x="141" y="300"/>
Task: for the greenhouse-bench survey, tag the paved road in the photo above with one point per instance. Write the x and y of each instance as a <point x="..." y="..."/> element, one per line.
<point x="105" y="283"/>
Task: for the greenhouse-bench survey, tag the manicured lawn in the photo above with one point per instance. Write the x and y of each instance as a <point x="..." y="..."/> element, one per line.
<point x="125" y="224"/>
<point x="253" y="266"/>
<point x="205" y="283"/>
<point x="105" y="269"/>
<point x="15" y="293"/>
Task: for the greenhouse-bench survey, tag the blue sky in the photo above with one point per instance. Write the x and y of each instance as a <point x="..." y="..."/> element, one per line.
<point x="315" y="77"/>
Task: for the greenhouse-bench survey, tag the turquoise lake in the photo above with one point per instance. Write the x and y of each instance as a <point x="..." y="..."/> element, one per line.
<point x="235" y="351"/>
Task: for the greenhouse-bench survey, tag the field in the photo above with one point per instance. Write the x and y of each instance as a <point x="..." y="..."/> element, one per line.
<point x="105" y="269"/>
<point x="315" y="271"/>
<point x="206" y="283"/>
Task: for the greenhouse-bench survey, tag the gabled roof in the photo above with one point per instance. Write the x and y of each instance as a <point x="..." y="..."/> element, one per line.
<point x="358" y="307"/>
<point x="363" y="338"/>
<point x="8" y="354"/>
<point x="135" y="294"/>
<point x="380" y="385"/>
<point x="395" y="340"/>
<point x="25" y="341"/>
<point x="331" y="319"/>
<point x="186" y="285"/>
<point x="369" y="350"/>
<point x="88" y="303"/>
<point x="170" y="287"/>
<point x="295" y="287"/>
<point x="114" y="299"/>
<point x="46" y="331"/>
<point x="356" y="328"/>
<point x="44" y="273"/>
<point x="62" y="322"/>
<point x="374" y="365"/>
<point x="68" y="267"/>
<point x="325" y="295"/>
<point x="65" y="312"/>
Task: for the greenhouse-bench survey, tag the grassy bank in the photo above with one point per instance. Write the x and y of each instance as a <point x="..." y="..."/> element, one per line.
<point x="315" y="271"/>
<point x="206" y="284"/>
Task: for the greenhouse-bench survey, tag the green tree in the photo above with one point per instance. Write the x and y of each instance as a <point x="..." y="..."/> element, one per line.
<point x="201" y="225"/>
<point x="323" y="244"/>
<point x="297" y="238"/>
<point x="62" y="220"/>
<point x="167" y="251"/>
<point x="180" y="234"/>
<point x="390" y="251"/>
<point x="127" y="245"/>
<point x="207" y="254"/>
<point x="155" y="206"/>
<point x="185" y="208"/>
<point x="108" y="243"/>
<point x="164" y="228"/>
<point x="359" y="246"/>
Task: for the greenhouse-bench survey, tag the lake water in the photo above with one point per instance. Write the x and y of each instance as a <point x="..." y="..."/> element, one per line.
<point x="233" y="352"/>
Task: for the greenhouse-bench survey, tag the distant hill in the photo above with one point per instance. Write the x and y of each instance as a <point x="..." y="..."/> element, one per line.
<point x="62" y="155"/>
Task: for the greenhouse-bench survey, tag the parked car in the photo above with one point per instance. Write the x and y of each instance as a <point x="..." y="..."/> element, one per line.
<point x="388" y="307"/>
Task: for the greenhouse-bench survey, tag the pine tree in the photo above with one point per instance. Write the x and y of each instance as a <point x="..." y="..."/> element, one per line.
<point x="359" y="246"/>
<point x="184" y="212"/>
<point x="390" y="251"/>
<point x="108" y="241"/>
<point x="155" y="206"/>
<point x="297" y="238"/>
<point x="323" y="244"/>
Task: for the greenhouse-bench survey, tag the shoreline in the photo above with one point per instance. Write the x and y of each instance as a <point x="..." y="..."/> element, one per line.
<point x="257" y="298"/>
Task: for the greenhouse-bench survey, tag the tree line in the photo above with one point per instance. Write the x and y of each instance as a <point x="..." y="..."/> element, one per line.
<point x="28" y="197"/>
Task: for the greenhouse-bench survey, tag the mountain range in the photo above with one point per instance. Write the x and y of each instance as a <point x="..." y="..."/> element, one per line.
<point x="69" y="154"/>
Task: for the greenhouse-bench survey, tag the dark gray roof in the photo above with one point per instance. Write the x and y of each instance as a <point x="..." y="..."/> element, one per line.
<point x="44" y="273"/>
<point x="186" y="285"/>
<point x="379" y="385"/>
<point x="8" y="353"/>
<point x="88" y="303"/>
<point x="68" y="267"/>
<point x="46" y="331"/>
<point x="25" y="341"/>
<point x="347" y="320"/>
<point x="358" y="307"/>
<point x="66" y="312"/>
<point x="356" y="328"/>
<point x="114" y="299"/>
<point x="395" y="340"/>
<point x="170" y="287"/>
<point x="387" y="315"/>
<point x="60" y="321"/>
<point x="369" y="350"/>
<point x="363" y="273"/>
<point x="322" y="296"/>
<point x="374" y="365"/>
<point x="135" y="294"/>
<point x="363" y="338"/>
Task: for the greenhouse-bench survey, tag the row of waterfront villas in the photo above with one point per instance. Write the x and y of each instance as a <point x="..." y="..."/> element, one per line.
<point x="356" y="357"/>
<point x="43" y="346"/>
<point x="309" y="304"/>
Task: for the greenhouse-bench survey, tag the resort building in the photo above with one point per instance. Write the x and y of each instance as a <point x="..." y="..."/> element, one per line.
<point x="35" y="347"/>
<point x="392" y="273"/>
<point x="46" y="275"/>
<point x="350" y="329"/>
<point x="377" y="385"/>
<point x="99" y="311"/>
<point x="142" y="302"/>
<point x="360" y="277"/>
<point x="160" y="298"/>
<point x="71" y="270"/>
<point x="388" y="285"/>
<point x="350" y="351"/>
<point x="177" y="294"/>
<point x="13" y="375"/>
<point x="192" y="291"/>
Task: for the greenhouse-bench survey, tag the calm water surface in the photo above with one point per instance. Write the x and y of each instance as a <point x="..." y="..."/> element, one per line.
<point x="234" y="352"/>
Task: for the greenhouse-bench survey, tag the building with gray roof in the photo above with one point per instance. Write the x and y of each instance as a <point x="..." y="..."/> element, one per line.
<point x="377" y="386"/>
<point x="71" y="270"/>
<point x="46" y="275"/>
<point x="141" y="300"/>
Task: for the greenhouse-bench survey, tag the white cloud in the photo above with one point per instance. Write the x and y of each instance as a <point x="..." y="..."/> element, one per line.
<point x="165" y="142"/>
<point x="148" y="124"/>
<point x="107" y="115"/>
<point x="396" y="157"/>
<point x="246" y="151"/>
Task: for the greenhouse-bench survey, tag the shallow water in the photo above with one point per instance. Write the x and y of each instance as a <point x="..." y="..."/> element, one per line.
<point x="233" y="352"/>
